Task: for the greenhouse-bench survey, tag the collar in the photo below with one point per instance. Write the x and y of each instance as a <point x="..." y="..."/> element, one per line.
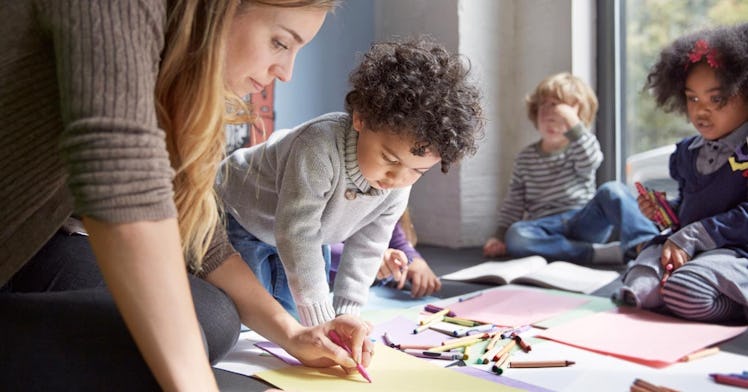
<point x="356" y="180"/>
<point x="732" y="140"/>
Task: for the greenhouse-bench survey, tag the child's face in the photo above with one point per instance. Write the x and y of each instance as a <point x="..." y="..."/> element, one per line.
<point x="263" y="42"/>
<point x="554" y="119"/>
<point x="385" y="159"/>
<point x="702" y="102"/>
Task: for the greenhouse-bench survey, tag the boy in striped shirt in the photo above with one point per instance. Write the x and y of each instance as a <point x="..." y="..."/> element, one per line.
<point x="552" y="208"/>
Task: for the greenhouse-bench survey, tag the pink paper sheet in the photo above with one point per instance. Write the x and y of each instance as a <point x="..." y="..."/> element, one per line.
<point x="640" y="336"/>
<point x="515" y="307"/>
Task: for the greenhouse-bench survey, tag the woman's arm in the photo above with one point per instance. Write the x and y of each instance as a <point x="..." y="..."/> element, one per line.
<point x="261" y="312"/>
<point x="144" y="269"/>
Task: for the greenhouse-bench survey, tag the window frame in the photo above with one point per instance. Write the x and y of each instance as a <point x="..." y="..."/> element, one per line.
<point x="611" y="55"/>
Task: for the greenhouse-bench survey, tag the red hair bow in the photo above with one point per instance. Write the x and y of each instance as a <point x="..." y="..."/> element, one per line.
<point x="701" y="49"/>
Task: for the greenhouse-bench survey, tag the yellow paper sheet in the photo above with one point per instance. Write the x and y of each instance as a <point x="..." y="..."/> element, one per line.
<point x="390" y="370"/>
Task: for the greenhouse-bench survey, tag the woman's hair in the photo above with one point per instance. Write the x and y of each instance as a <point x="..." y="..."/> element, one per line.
<point x="328" y="5"/>
<point x="568" y="89"/>
<point x="723" y="48"/>
<point x="192" y="105"/>
<point x="418" y="89"/>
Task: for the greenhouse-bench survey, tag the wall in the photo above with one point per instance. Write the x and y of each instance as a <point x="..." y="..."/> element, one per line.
<point x="436" y="198"/>
<point x="320" y="77"/>
<point x="489" y="40"/>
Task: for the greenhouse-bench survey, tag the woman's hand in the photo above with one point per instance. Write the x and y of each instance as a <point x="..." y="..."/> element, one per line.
<point x="494" y="247"/>
<point x="423" y="281"/>
<point x="313" y="347"/>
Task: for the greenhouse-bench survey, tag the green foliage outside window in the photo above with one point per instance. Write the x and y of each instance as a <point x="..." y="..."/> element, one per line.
<point x="650" y="26"/>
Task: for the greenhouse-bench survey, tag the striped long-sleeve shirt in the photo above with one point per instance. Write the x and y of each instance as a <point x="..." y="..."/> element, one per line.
<point x="545" y="184"/>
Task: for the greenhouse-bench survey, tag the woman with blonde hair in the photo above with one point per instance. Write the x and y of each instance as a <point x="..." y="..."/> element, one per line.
<point x="114" y="114"/>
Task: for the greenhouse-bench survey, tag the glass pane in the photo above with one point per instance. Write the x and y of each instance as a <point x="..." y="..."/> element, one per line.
<point x="649" y="26"/>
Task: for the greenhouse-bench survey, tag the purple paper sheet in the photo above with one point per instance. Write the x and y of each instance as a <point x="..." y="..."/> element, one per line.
<point x="400" y="331"/>
<point x="274" y="349"/>
<point x="503" y="380"/>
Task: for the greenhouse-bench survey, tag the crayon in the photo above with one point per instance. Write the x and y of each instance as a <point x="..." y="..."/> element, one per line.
<point x="539" y="364"/>
<point x="499" y="366"/>
<point x="433" y="309"/>
<point x="337" y="340"/>
<point x="700" y="354"/>
<point x="467" y="330"/>
<point x="460" y="321"/>
<point x="436" y="355"/>
<point x="522" y="344"/>
<point x="729" y="379"/>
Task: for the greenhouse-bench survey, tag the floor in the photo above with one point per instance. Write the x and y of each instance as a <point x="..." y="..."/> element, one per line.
<point x="444" y="261"/>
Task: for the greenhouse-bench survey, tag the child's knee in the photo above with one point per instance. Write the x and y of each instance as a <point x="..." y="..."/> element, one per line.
<point x="688" y="296"/>
<point x="613" y="190"/>
<point x="517" y="241"/>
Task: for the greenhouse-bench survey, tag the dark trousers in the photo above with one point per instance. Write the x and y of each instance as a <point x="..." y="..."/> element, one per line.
<point x="60" y="329"/>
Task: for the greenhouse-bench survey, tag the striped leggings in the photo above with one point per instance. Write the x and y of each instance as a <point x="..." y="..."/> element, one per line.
<point x="713" y="287"/>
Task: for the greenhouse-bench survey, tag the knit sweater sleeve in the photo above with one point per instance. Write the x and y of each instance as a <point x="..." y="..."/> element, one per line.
<point x="308" y="177"/>
<point x="584" y="151"/>
<point x="362" y="255"/>
<point x="119" y="169"/>
<point x="219" y="250"/>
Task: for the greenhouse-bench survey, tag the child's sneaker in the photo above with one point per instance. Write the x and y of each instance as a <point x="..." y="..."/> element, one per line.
<point x="625" y="297"/>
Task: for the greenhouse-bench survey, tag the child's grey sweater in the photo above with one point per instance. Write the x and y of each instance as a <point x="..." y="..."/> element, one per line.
<point x="303" y="188"/>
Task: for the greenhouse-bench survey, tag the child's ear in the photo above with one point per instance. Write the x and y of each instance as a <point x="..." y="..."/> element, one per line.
<point x="358" y="122"/>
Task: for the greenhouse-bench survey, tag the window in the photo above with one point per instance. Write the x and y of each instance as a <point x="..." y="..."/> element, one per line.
<point x="634" y="32"/>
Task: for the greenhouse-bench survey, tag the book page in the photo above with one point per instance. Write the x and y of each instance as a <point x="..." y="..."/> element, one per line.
<point x="567" y="276"/>
<point x="498" y="272"/>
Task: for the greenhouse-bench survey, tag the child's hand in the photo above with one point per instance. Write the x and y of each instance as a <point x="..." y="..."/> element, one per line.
<point x="672" y="254"/>
<point x="395" y="264"/>
<point x="648" y="207"/>
<point x="423" y="281"/>
<point x="494" y="247"/>
<point x="313" y="347"/>
<point x="568" y="113"/>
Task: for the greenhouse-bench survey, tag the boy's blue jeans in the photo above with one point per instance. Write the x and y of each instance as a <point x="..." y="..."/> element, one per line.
<point x="265" y="262"/>
<point x="569" y="235"/>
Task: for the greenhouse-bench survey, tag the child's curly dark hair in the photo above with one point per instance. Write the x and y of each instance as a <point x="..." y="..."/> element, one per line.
<point x="667" y="78"/>
<point x="416" y="87"/>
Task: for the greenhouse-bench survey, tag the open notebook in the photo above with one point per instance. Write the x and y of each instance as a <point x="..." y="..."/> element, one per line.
<point x="534" y="270"/>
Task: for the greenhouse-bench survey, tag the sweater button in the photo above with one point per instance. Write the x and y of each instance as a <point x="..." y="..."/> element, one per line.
<point x="350" y="194"/>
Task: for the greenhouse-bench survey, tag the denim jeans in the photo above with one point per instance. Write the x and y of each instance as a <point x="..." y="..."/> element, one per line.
<point x="266" y="264"/>
<point x="569" y="235"/>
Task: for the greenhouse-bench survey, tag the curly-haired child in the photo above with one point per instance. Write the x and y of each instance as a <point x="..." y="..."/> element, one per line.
<point x="552" y="208"/>
<point x="347" y="176"/>
<point x="699" y="269"/>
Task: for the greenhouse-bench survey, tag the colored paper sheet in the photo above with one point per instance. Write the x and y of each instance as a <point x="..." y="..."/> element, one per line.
<point x="391" y="370"/>
<point x="276" y="350"/>
<point x="503" y="380"/>
<point x="640" y="336"/>
<point x="515" y="307"/>
<point x="595" y="305"/>
<point x="400" y="331"/>
<point x="390" y="298"/>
